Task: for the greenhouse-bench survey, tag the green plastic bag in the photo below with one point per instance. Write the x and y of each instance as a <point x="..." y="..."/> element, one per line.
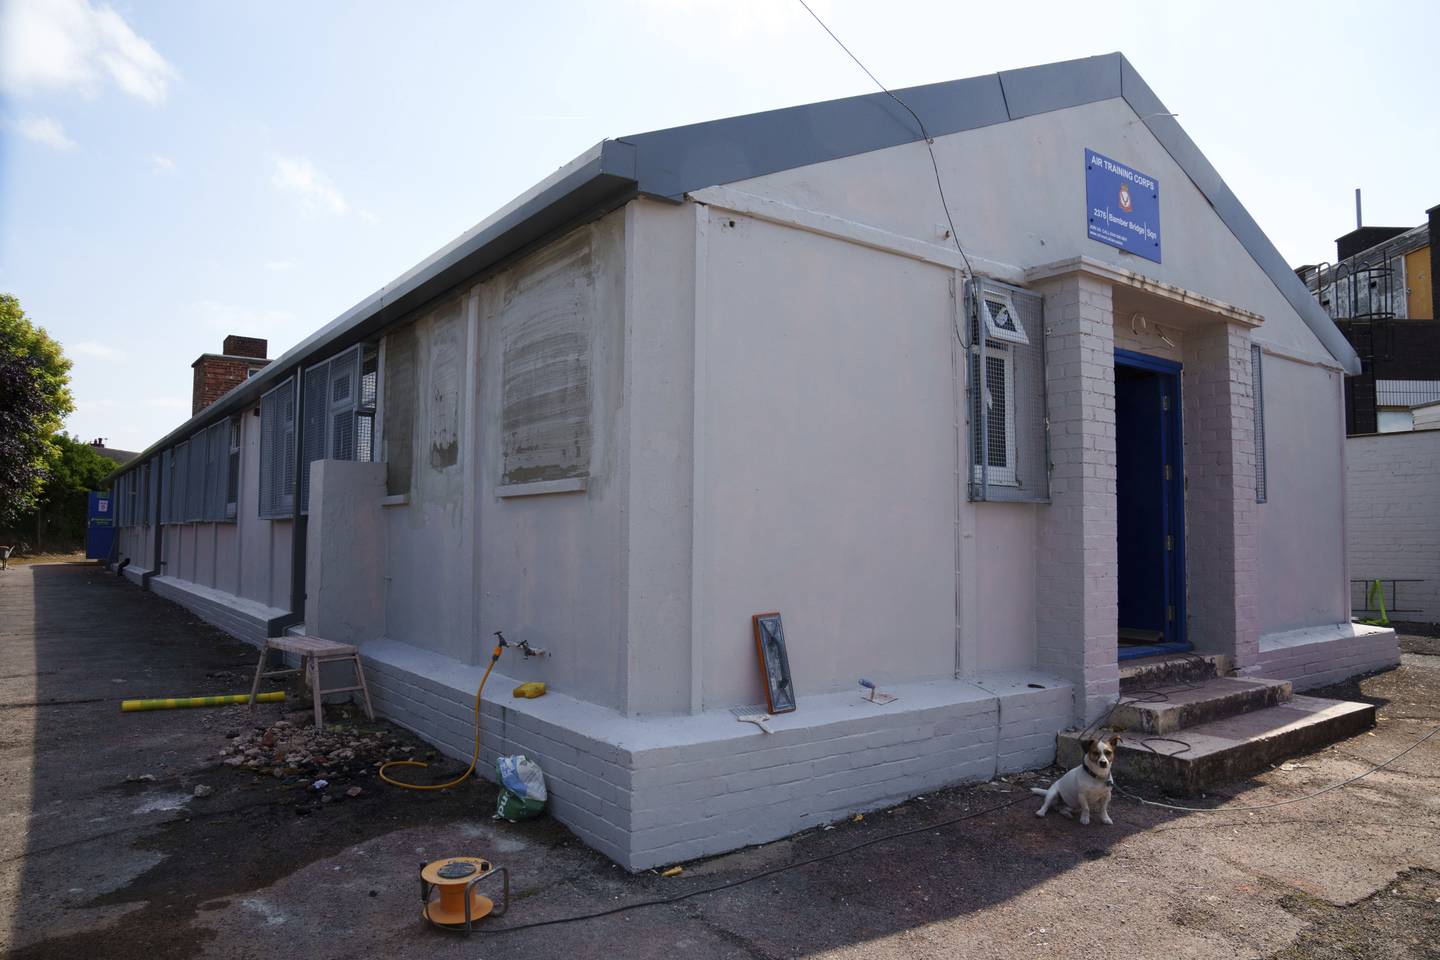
<point x="522" y="788"/>
<point x="512" y="807"/>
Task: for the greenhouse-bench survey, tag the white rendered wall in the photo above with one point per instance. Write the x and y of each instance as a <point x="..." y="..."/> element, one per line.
<point x="1302" y="532"/>
<point x="430" y="571"/>
<point x="1392" y="515"/>
<point x="829" y="445"/>
<point x="463" y="561"/>
<point x="1017" y="195"/>
<point x="345" y="552"/>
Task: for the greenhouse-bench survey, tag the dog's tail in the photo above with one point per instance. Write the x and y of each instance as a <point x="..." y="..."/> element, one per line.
<point x="1040" y="790"/>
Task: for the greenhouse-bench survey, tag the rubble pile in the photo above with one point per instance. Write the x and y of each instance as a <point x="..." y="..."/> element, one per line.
<point x="292" y="751"/>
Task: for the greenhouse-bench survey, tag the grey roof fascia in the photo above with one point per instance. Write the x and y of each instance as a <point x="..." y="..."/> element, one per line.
<point x="1233" y="214"/>
<point x="598" y="180"/>
<point x="1058" y="86"/>
<point x="670" y="163"/>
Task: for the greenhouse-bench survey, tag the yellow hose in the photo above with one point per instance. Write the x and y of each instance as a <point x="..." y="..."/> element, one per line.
<point x="474" y="757"/>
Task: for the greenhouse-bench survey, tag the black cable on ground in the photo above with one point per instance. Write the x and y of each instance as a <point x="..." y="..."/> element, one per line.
<point x="1281" y="803"/>
<point x="716" y="888"/>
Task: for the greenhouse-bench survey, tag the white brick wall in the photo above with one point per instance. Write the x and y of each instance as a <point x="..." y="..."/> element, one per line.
<point x="654" y="791"/>
<point x="1392" y="514"/>
<point x="1076" y="558"/>
<point x="1317" y="656"/>
<point x="1221" y="551"/>
<point x="243" y="619"/>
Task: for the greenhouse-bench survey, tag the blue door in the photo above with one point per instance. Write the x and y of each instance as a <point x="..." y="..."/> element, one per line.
<point x="1150" y="502"/>
<point x="99" y="526"/>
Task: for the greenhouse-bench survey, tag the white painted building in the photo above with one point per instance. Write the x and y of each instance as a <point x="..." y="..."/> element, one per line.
<point x="709" y="372"/>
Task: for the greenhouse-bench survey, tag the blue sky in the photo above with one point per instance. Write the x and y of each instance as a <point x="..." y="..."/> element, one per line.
<point x="174" y="171"/>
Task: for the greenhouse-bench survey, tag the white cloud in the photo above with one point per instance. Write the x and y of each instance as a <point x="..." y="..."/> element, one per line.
<point x="369" y="217"/>
<point x="46" y="130"/>
<point x="168" y="403"/>
<point x="86" y="406"/>
<point x="161" y="164"/>
<point x="94" y="348"/>
<point x="77" y="46"/>
<point x="279" y="266"/>
<point x="242" y="320"/>
<point x="298" y="175"/>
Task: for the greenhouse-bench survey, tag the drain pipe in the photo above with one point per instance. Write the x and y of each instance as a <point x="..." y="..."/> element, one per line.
<point x="299" y="527"/>
<point x="297" y="518"/>
<point x="156" y="558"/>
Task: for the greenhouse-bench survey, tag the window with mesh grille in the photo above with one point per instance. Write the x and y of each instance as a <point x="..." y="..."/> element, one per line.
<point x="232" y="471"/>
<point x="277" y="452"/>
<point x="337" y="425"/>
<point x="1005" y="389"/>
<point x="365" y="411"/>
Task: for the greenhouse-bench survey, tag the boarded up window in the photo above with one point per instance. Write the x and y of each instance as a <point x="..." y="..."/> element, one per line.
<point x="442" y="404"/>
<point x="545" y="420"/>
<point x="399" y="425"/>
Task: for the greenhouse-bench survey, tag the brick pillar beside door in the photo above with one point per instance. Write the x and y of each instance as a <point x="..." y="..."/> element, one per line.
<point x="1076" y="572"/>
<point x="1220" y="509"/>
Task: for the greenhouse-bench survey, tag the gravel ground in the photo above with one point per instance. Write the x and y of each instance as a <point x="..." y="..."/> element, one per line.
<point x="96" y="861"/>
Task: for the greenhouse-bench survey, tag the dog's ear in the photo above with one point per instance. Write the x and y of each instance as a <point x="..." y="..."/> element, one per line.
<point x="1114" y="741"/>
<point x="1087" y="744"/>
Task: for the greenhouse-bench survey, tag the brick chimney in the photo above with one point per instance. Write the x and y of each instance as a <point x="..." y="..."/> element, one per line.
<point x="217" y="373"/>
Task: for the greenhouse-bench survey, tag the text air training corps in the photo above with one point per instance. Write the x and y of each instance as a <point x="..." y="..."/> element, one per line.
<point x="1124" y="206"/>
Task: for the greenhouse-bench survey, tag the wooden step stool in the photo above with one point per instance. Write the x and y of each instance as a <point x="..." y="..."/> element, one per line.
<point x="313" y="651"/>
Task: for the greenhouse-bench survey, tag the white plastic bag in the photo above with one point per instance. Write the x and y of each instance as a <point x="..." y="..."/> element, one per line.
<point x="522" y="777"/>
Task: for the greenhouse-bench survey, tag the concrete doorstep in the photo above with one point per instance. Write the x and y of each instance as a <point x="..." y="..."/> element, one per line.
<point x="1186" y="739"/>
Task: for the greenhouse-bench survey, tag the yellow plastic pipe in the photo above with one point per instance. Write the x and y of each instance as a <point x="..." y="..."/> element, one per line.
<point x="172" y="703"/>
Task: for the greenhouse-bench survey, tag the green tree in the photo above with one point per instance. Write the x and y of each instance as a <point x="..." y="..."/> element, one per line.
<point x="76" y="470"/>
<point x="34" y="401"/>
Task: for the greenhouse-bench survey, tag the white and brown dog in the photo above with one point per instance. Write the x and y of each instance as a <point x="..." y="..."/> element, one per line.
<point x="1087" y="787"/>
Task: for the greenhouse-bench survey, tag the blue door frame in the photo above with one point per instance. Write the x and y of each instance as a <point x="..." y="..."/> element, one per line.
<point x="1150" y="524"/>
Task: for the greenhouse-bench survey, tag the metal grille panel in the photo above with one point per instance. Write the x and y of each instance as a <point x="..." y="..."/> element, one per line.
<point x="1008" y="441"/>
<point x="277" y="451"/>
<point x="167" y="483"/>
<point x="316" y="420"/>
<point x="195" y="479"/>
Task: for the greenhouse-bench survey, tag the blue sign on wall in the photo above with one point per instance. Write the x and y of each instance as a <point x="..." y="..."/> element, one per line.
<point x="1124" y="206"/>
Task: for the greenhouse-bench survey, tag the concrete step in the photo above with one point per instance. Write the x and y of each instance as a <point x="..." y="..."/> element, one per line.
<point x="1171" y="668"/>
<point x="1228" y="749"/>
<point x="1167" y="709"/>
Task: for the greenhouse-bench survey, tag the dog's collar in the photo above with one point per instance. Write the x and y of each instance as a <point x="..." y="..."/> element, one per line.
<point x="1109" y="778"/>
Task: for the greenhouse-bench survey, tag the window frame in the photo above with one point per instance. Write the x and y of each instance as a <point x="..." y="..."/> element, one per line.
<point x="994" y="331"/>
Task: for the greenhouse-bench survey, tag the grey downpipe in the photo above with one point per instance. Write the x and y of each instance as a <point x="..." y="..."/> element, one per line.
<point x="299" y="525"/>
<point x="158" y="558"/>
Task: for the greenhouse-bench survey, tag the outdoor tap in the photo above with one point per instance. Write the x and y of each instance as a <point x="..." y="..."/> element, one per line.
<point x="524" y="645"/>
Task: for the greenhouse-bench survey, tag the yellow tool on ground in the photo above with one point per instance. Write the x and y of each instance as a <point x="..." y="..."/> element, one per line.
<point x="530" y="690"/>
<point x="460" y="905"/>
<point x="175" y="703"/>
